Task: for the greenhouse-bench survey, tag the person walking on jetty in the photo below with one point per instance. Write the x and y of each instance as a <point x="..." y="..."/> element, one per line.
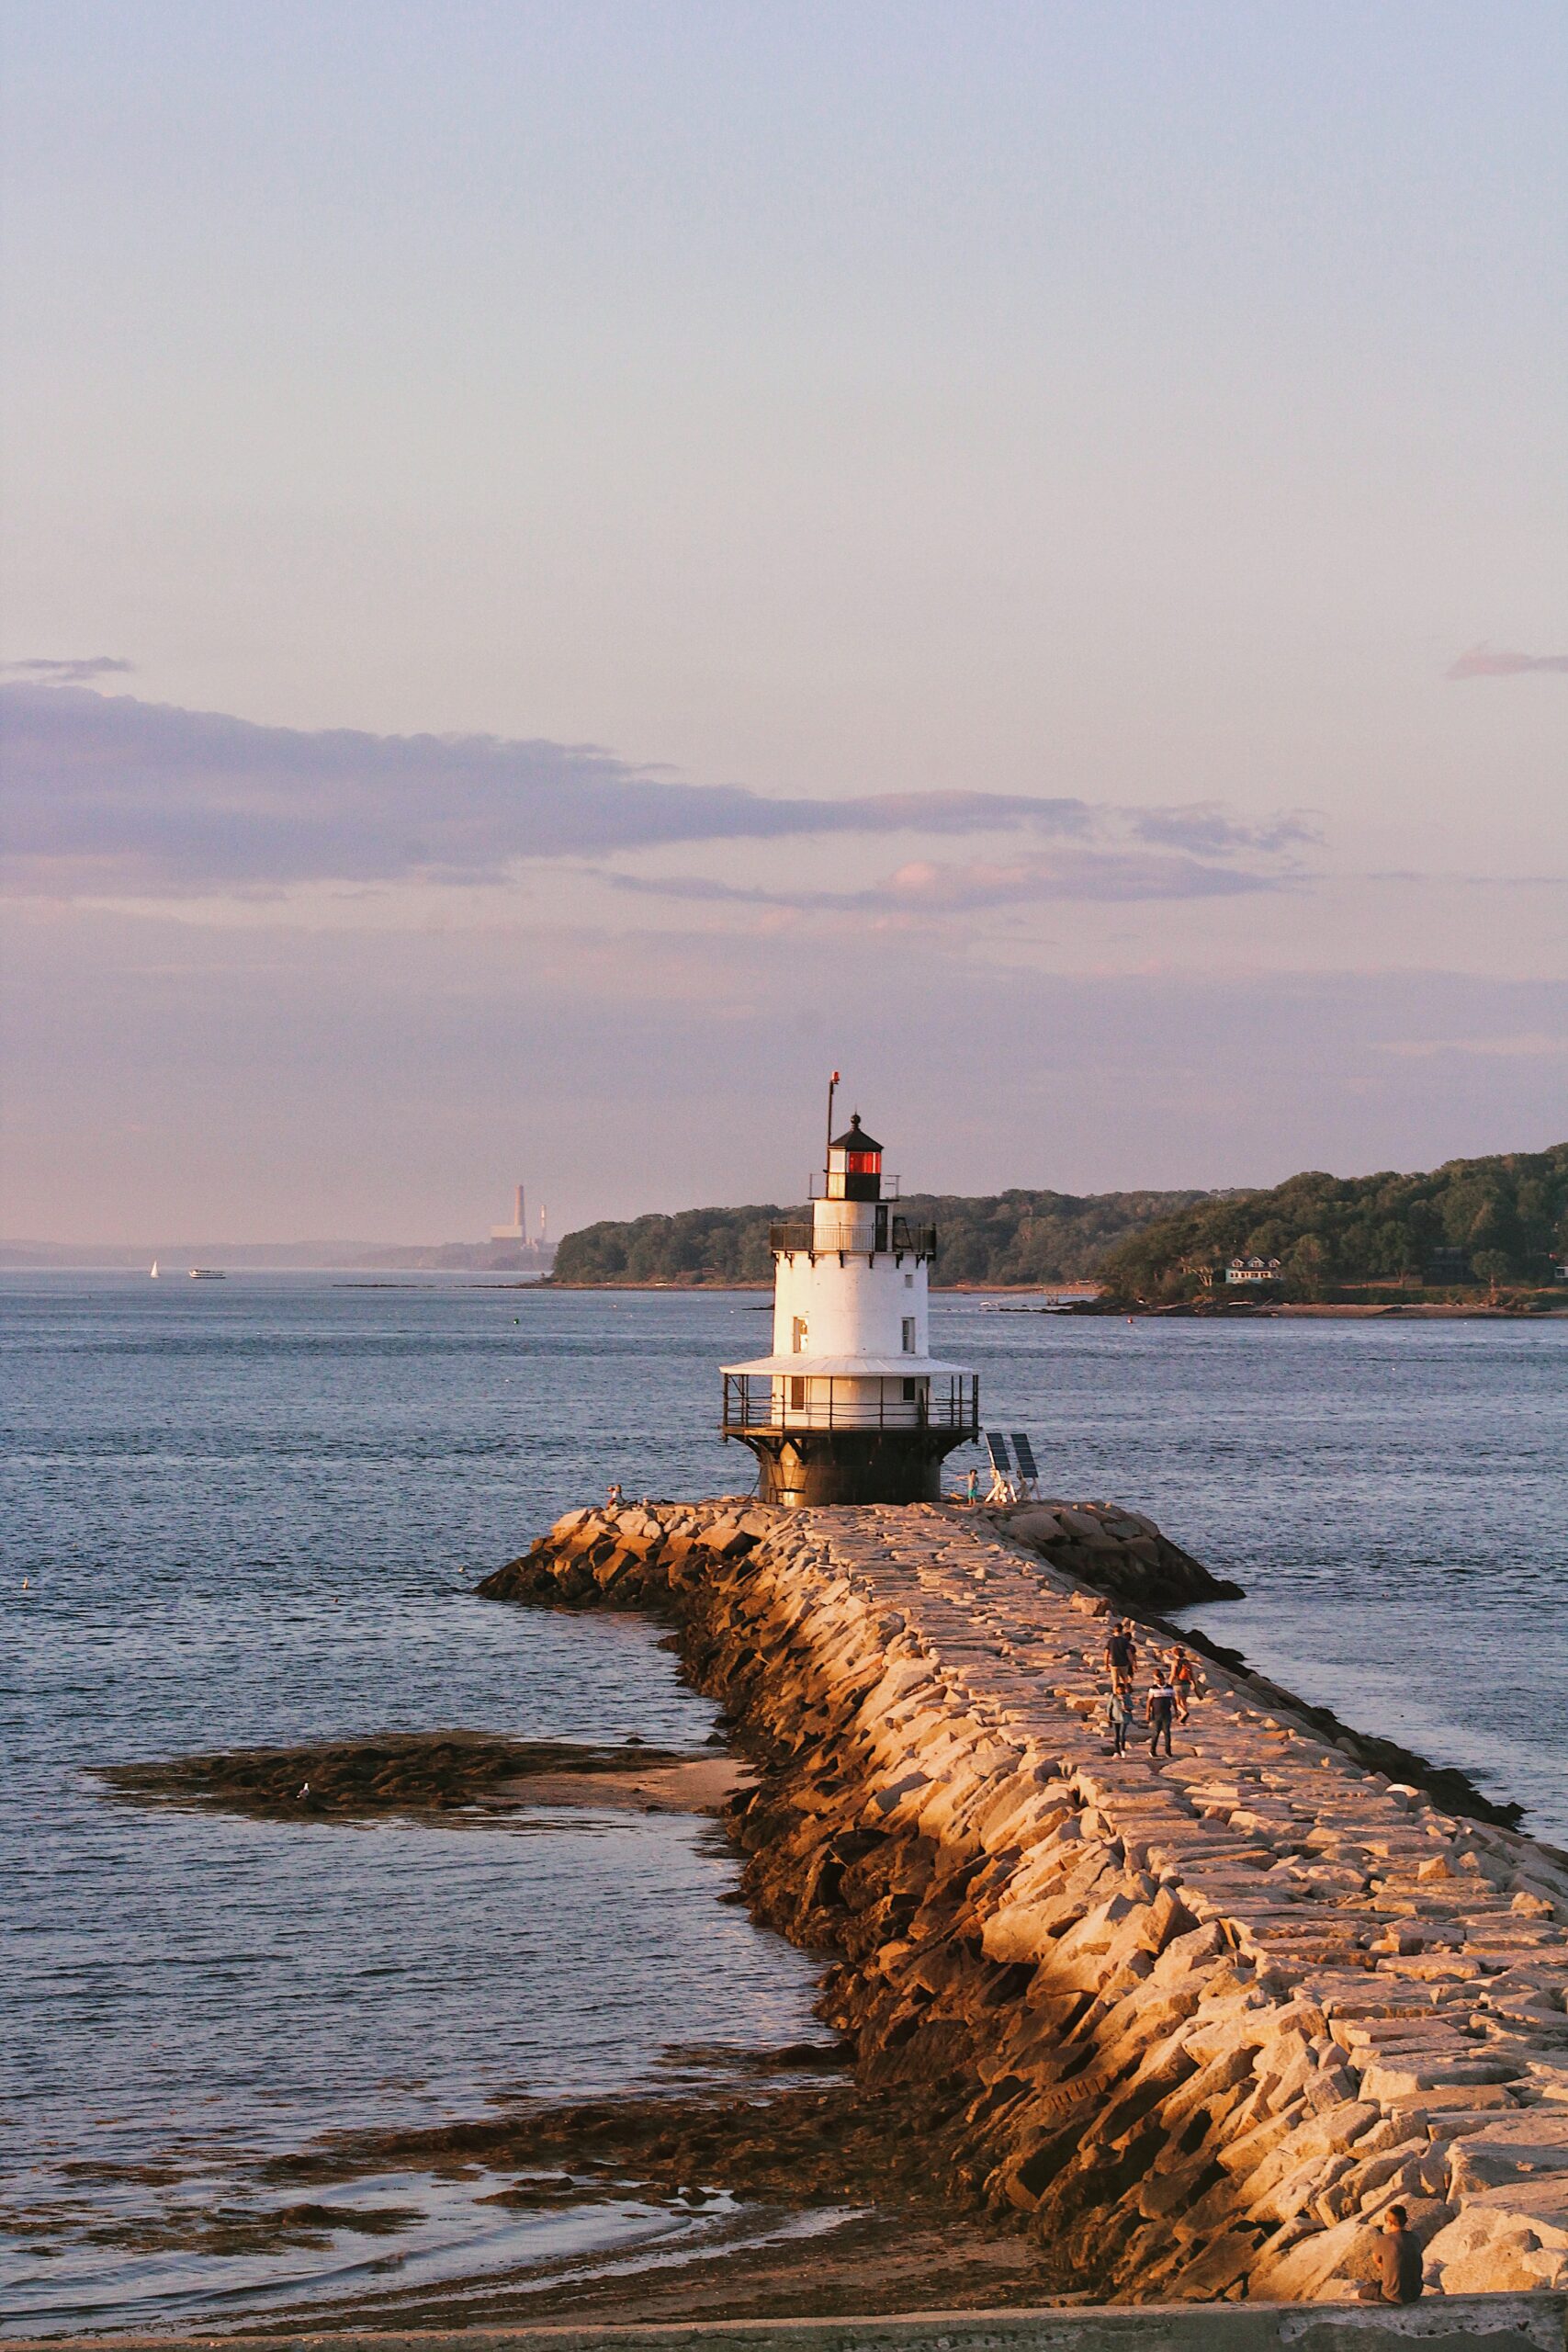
<point x="1183" y="1681"/>
<point x="1159" y="1710"/>
<point x="1118" y="1718"/>
<point x="1399" y="2278"/>
<point x="1121" y="1655"/>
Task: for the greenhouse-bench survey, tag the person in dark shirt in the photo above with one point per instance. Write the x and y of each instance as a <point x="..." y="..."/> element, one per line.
<point x="1159" y="1710"/>
<point x="1399" y="2277"/>
<point x="1121" y="1655"/>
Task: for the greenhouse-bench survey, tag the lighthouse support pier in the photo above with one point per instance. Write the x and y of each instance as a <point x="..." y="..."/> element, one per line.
<point x="851" y="1437"/>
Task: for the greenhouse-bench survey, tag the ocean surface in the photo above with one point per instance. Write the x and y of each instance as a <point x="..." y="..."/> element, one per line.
<point x="254" y="1511"/>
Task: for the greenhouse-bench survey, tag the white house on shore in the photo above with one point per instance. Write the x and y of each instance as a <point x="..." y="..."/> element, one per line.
<point x="1253" y="1270"/>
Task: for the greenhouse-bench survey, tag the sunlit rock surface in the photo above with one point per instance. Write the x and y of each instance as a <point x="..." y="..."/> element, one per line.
<point x="1211" y="2014"/>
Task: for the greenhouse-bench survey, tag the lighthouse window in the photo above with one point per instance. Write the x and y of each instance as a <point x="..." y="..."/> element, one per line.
<point x="909" y="1281"/>
<point x="798" y="1342"/>
<point x="909" y="1335"/>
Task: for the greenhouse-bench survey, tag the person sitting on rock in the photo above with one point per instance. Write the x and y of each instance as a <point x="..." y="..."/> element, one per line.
<point x="1118" y="1718"/>
<point x="1399" y="2277"/>
<point x="1121" y="1655"/>
<point x="1160" y="1708"/>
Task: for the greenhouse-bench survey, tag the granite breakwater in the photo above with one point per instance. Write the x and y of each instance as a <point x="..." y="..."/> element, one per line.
<point x="1195" y="2021"/>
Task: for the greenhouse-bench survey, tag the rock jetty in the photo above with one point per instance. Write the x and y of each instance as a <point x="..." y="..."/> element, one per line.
<point x="1202" y="2018"/>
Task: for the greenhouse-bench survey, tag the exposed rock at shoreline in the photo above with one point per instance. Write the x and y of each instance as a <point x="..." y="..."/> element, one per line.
<point x="822" y="2143"/>
<point x="758" y="2139"/>
<point x="1118" y="1552"/>
<point x="1197" y="2021"/>
<point x="395" y="1772"/>
<point x="782" y="2147"/>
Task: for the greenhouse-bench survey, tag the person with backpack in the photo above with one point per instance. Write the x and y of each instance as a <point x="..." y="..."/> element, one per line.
<point x="1183" y="1680"/>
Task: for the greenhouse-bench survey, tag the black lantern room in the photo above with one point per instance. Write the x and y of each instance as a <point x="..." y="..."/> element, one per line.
<point x="854" y="1165"/>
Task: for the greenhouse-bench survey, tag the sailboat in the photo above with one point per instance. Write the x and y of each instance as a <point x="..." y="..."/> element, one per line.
<point x="154" y="1270"/>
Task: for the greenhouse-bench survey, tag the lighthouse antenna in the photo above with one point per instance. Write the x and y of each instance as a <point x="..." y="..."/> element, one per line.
<point x="832" y="1089"/>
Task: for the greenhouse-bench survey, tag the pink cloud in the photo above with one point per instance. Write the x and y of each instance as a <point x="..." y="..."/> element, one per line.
<point x="1488" y="662"/>
<point x="929" y="887"/>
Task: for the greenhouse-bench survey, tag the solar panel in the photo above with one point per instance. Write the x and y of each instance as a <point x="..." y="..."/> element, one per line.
<point x="997" y="1447"/>
<point x="1024" y="1455"/>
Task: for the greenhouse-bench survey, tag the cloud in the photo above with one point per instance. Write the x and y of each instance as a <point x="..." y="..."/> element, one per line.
<point x="926" y="888"/>
<point x="1527" y="1044"/>
<point x="1111" y="875"/>
<point x="1205" y="829"/>
<point x="114" y="796"/>
<point x="1485" y="662"/>
<point x="78" y="671"/>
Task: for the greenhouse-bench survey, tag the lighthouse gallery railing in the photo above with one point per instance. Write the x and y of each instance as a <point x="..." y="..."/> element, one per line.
<point x="754" y="1400"/>
<point x="847" y="1236"/>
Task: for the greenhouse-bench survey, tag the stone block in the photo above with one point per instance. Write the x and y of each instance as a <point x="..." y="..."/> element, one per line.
<point x="1305" y="2269"/>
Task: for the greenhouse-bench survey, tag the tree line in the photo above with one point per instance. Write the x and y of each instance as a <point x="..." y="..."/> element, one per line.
<point x="1012" y="1238"/>
<point x="1499" y="1220"/>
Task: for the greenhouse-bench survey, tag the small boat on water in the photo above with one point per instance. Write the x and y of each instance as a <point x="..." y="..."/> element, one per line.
<point x="207" y="1274"/>
<point x="154" y="1270"/>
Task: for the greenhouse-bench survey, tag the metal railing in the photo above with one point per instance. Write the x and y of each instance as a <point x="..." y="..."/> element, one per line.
<point x="920" y="1238"/>
<point x="757" y="1401"/>
<point x="798" y="1235"/>
<point x="801" y="1234"/>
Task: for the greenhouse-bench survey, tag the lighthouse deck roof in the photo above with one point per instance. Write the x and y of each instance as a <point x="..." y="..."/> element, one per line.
<point x="851" y="1367"/>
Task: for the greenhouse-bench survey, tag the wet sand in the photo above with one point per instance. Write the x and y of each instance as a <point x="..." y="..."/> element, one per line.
<point x="860" y="2166"/>
<point x="696" y="1785"/>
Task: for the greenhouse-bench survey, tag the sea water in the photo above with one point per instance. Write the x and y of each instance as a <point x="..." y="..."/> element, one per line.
<point x="255" y="1511"/>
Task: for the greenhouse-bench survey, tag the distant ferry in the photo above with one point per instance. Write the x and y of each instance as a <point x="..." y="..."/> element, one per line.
<point x="207" y="1274"/>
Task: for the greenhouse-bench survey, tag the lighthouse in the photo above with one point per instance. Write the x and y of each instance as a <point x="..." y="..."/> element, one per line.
<point x="851" y="1407"/>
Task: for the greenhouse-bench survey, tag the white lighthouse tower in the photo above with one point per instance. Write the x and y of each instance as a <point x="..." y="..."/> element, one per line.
<point x="851" y="1407"/>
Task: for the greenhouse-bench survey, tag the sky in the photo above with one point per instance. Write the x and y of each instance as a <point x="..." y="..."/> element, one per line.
<point x="570" y="569"/>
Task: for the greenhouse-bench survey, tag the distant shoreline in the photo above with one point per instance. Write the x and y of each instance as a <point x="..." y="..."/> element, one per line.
<point x="1063" y="1303"/>
<point x="1241" y="1311"/>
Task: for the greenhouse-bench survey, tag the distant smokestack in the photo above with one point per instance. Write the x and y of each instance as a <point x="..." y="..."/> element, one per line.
<point x="518" y="1228"/>
<point x="541" y="1225"/>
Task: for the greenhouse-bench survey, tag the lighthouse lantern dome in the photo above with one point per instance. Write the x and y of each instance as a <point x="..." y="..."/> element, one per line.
<point x="854" y="1165"/>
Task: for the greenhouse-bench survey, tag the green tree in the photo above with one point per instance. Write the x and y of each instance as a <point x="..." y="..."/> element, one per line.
<point x="1509" y="1211"/>
<point x="1306" y="1266"/>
